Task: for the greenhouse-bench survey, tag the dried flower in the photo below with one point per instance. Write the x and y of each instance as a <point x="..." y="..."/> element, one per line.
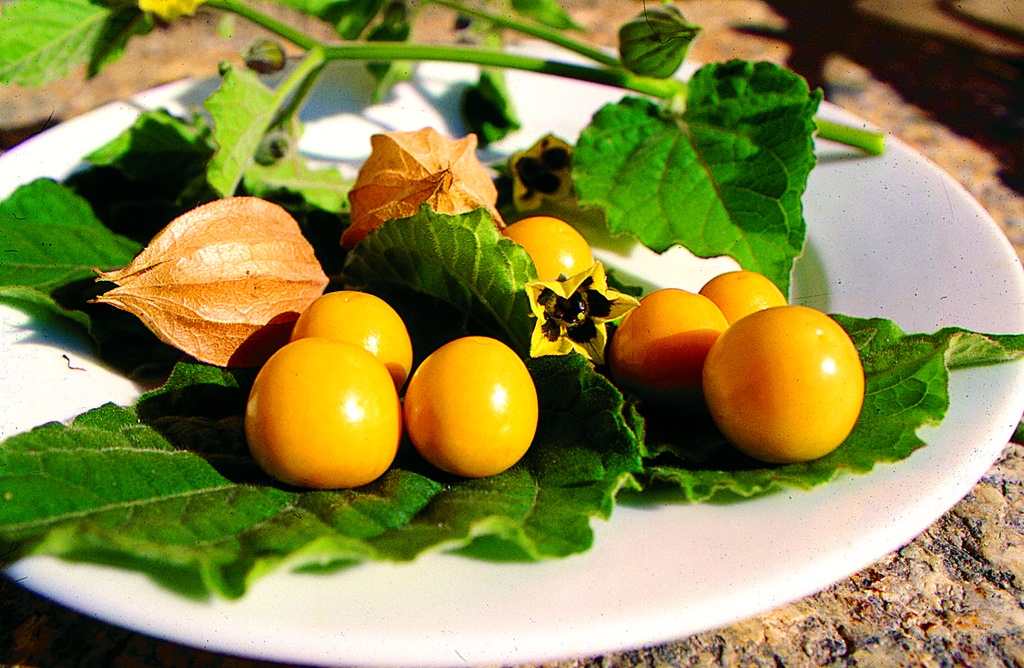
<point x="223" y="282"/>
<point x="572" y="314"/>
<point x="407" y="169"/>
<point x="542" y="174"/>
<point x="168" y="10"/>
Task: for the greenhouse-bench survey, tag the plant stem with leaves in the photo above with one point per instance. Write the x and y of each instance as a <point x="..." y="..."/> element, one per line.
<point x="609" y="71"/>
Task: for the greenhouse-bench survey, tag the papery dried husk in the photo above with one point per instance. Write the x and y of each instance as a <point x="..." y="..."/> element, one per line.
<point x="223" y="282"/>
<point x="407" y="169"/>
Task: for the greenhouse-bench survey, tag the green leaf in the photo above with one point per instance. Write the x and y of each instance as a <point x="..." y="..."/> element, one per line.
<point x="349" y="17"/>
<point x="125" y="23"/>
<point x="148" y="175"/>
<point x="546" y="12"/>
<point x="291" y="177"/>
<point x="969" y="349"/>
<point x="159" y="149"/>
<point x="586" y="450"/>
<point x="41" y="40"/>
<point x="726" y="178"/>
<point x="49" y="237"/>
<point x="51" y="241"/>
<point x="906" y="380"/>
<point x="395" y="25"/>
<point x="243" y="109"/>
<point x="167" y="488"/>
<point x="461" y="260"/>
<point x="487" y="109"/>
<point x="41" y="305"/>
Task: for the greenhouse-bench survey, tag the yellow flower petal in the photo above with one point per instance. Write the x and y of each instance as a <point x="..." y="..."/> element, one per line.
<point x="593" y="349"/>
<point x="564" y="308"/>
<point x="168" y="10"/>
<point x="621" y="305"/>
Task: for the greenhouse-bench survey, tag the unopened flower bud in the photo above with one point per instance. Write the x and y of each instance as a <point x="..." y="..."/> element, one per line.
<point x="264" y="56"/>
<point x="655" y="43"/>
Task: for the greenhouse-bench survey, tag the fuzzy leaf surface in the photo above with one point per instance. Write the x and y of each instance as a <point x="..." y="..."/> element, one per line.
<point x="167" y="487"/>
<point x="725" y="178"/>
<point x="42" y="40"/>
<point x="50" y="237"/>
<point x="462" y="260"/>
<point x="242" y="110"/>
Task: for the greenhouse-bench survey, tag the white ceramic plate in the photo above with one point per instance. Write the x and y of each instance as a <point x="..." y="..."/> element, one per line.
<point x="888" y="236"/>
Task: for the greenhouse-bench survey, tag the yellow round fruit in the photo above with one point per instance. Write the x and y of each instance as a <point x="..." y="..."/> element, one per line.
<point x="740" y="293"/>
<point x="784" y="384"/>
<point x="363" y="320"/>
<point x="471" y="407"/>
<point x="659" y="348"/>
<point x="555" y="246"/>
<point x="323" y="414"/>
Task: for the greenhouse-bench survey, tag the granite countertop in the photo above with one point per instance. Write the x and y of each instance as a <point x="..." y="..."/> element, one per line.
<point x="948" y="79"/>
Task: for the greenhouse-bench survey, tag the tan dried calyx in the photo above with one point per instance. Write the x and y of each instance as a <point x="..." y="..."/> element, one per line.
<point x="223" y="282"/>
<point x="407" y="169"/>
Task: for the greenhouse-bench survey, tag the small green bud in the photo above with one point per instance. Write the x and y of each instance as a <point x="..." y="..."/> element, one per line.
<point x="655" y="43"/>
<point x="264" y="56"/>
<point x="272" y="148"/>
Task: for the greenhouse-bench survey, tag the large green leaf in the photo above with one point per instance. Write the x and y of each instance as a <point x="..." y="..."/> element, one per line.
<point x="906" y="380"/>
<point x="41" y="40"/>
<point x="50" y="237"/>
<point x="461" y="260"/>
<point x="243" y="110"/>
<point x="167" y="487"/>
<point x="725" y="178"/>
<point x="148" y="175"/>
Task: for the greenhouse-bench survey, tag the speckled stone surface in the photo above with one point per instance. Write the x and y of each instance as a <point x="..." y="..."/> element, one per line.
<point x="945" y="77"/>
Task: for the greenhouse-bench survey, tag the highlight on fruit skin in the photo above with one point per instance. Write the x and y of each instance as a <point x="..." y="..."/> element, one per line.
<point x="785" y="384"/>
<point x="471" y="408"/>
<point x="658" y="350"/>
<point x="323" y="414"/>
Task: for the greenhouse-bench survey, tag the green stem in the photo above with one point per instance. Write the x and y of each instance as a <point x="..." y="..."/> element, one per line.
<point x="549" y="35"/>
<point x="387" y="51"/>
<point x="612" y="75"/>
<point x="866" y="140"/>
<point x="283" y="30"/>
<point x="661" y="88"/>
<point x="291" y="94"/>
